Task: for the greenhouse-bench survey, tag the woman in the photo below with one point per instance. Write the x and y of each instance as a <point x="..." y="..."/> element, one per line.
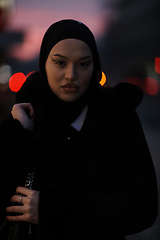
<point x="94" y="176"/>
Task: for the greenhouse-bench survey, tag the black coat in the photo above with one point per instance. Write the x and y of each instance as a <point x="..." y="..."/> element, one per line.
<point x="97" y="183"/>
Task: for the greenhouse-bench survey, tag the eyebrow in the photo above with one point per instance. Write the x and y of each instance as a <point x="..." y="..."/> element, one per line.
<point x="59" y="55"/>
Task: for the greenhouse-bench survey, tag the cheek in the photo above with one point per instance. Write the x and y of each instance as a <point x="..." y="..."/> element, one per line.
<point x="85" y="80"/>
<point x="53" y="76"/>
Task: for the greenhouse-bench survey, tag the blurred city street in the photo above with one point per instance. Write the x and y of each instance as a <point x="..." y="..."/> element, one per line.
<point x="128" y="38"/>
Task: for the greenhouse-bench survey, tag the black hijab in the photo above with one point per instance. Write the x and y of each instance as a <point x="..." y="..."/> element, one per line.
<point x="47" y="105"/>
<point x="68" y="29"/>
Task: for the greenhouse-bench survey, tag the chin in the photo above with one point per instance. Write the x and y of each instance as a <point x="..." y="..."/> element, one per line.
<point x="69" y="98"/>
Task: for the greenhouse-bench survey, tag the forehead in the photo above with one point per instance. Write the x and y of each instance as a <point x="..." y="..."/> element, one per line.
<point x="70" y="47"/>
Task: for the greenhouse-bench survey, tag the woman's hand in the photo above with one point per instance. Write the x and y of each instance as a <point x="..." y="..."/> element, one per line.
<point x="24" y="113"/>
<point x="29" y="208"/>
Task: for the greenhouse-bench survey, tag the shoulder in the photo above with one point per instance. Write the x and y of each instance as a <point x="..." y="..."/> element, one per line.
<point x="128" y="95"/>
<point x="117" y="103"/>
<point x="30" y="88"/>
<point x="123" y="96"/>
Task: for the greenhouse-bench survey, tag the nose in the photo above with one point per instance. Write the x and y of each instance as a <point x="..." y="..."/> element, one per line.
<point x="71" y="73"/>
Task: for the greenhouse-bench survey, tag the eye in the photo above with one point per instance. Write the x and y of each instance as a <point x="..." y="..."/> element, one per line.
<point x="59" y="63"/>
<point x="84" y="64"/>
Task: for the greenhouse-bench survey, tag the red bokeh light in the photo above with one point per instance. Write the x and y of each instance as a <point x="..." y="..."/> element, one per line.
<point x="134" y="80"/>
<point x="16" y="81"/>
<point x="157" y="65"/>
<point x="151" y="86"/>
<point x="30" y="73"/>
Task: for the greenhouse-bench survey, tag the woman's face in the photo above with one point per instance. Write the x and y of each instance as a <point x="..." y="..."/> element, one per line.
<point x="69" y="69"/>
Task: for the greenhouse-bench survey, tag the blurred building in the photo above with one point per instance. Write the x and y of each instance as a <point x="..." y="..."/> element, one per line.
<point x="132" y="43"/>
<point x="130" y="52"/>
<point x="7" y="39"/>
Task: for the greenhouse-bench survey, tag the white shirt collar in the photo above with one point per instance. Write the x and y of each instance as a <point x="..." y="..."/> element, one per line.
<point x="78" y="123"/>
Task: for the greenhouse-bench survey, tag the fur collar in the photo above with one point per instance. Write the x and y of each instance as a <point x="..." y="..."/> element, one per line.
<point x="114" y="105"/>
<point x="124" y="96"/>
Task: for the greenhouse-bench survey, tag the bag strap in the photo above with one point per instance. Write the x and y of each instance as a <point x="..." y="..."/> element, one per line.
<point x="29" y="179"/>
<point x="28" y="184"/>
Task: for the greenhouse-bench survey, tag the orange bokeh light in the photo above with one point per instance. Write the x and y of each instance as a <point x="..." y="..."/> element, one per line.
<point x="103" y="79"/>
<point x="16" y="81"/>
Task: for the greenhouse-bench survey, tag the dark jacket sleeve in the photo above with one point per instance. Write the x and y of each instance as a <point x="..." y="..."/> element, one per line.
<point x="17" y="154"/>
<point x="129" y="208"/>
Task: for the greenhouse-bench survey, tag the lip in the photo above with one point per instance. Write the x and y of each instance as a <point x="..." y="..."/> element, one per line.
<point x="70" y="87"/>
